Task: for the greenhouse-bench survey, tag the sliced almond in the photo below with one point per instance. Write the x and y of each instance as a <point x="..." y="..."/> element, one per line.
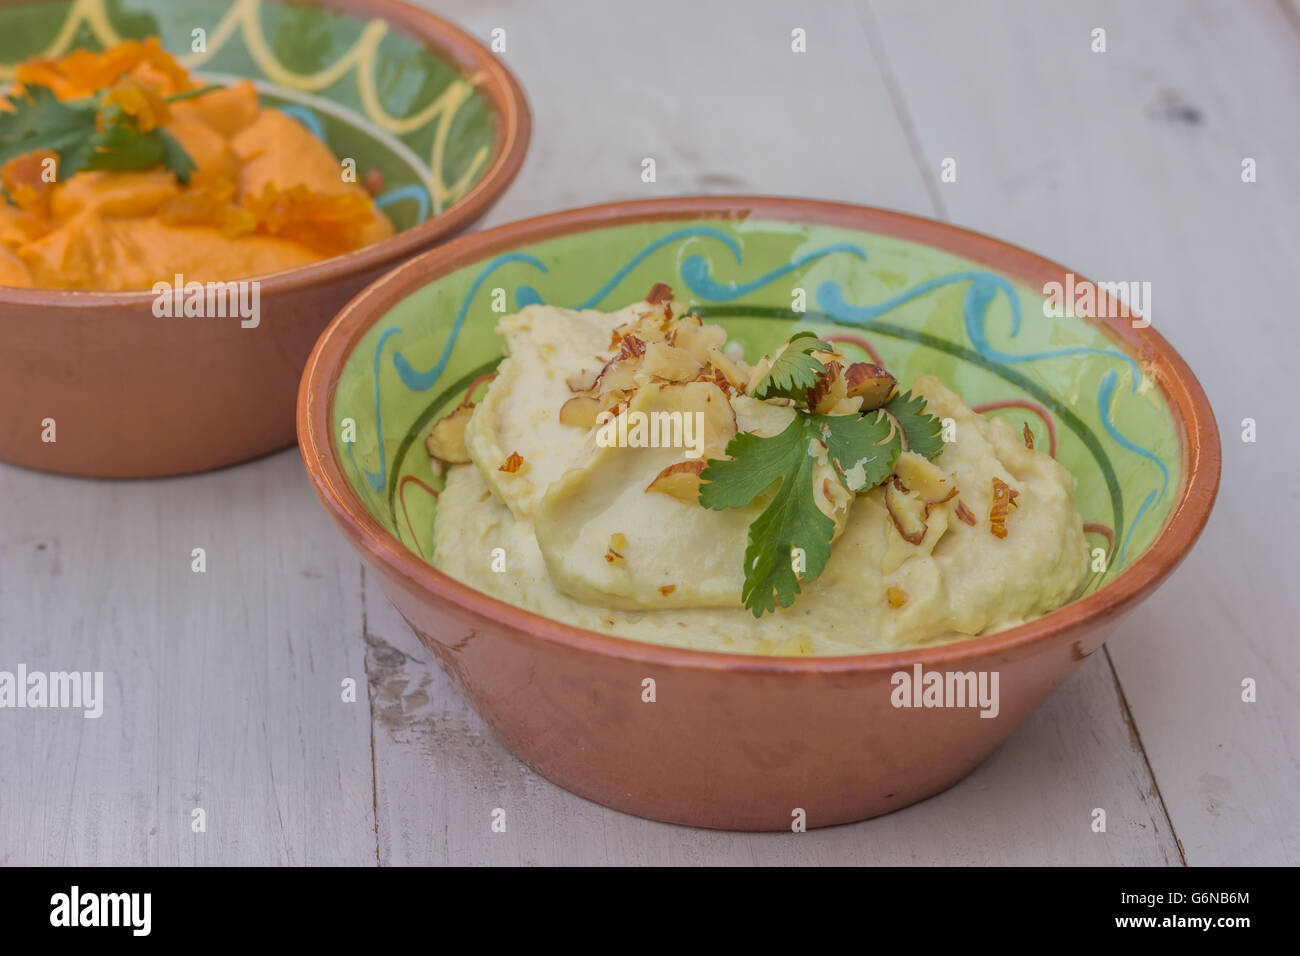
<point x="828" y="390"/>
<point x="869" y="382"/>
<point x="924" y="477"/>
<point x="585" y="380"/>
<point x="581" y="411"/>
<point x="696" y="339"/>
<point x="736" y="375"/>
<point x="669" y="364"/>
<point x="907" y="510"/>
<point x="680" y="480"/>
<point x="619" y="374"/>
<point x="447" y="440"/>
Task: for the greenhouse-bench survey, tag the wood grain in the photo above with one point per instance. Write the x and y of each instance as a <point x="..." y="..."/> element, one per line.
<point x="224" y="688"/>
<point x="1127" y="165"/>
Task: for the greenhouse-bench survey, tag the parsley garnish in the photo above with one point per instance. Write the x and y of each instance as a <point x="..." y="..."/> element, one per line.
<point x="87" y="134"/>
<point x="863" y="449"/>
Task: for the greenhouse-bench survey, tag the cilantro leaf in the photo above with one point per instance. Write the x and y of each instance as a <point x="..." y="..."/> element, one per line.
<point x="853" y="442"/>
<point x="795" y="370"/>
<point x="39" y="120"/>
<point x="924" y="432"/>
<point x="791" y="518"/>
<point x="84" y="135"/>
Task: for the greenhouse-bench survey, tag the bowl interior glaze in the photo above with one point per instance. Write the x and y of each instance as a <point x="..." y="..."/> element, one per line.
<point x="1088" y="396"/>
<point x="369" y="89"/>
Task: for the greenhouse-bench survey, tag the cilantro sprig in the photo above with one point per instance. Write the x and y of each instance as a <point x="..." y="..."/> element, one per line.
<point x="795" y="370"/>
<point x="87" y="134"/>
<point x="862" y="448"/>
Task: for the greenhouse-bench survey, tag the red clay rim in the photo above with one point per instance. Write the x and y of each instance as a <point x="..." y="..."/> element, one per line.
<point x="1198" y="433"/>
<point x="514" y="127"/>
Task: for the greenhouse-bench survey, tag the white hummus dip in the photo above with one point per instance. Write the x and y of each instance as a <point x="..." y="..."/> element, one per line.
<point x="544" y="515"/>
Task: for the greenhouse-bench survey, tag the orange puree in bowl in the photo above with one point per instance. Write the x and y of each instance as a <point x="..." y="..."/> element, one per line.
<point x="265" y="194"/>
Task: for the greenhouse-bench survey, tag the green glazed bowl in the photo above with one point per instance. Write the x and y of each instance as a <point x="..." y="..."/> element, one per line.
<point x="1107" y="397"/>
<point x="427" y="113"/>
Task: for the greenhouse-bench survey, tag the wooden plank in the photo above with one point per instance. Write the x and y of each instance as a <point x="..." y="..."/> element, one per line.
<point x="1127" y="165"/>
<point x="714" y="95"/>
<point x="222" y="689"/>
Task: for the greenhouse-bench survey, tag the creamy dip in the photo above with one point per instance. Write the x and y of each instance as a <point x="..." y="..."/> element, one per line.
<point x="545" y="517"/>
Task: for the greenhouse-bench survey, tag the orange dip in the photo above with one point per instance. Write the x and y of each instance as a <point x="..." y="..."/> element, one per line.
<point x="266" y="194"/>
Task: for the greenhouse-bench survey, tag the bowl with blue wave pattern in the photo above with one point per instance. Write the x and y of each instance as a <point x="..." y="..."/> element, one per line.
<point x="437" y="127"/>
<point x="736" y="741"/>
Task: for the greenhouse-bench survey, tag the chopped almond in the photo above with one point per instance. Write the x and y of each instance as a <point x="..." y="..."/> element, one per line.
<point x="680" y="480"/>
<point x="907" y="510"/>
<point x="1002" y="499"/>
<point x="447" y="440"/>
<point x="614" y="553"/>
<point x="667" y="589"/>
<point x="631" y="347"/>
<point x="896" y="597"/>
<point x="924" y="477"/>
<point x="869" y="382"/>
<point x="513" y="464"/>
<point x="828" y="390"/>
<point x="964" y="514"/>
<point x="1029" y="437"/>
<point x="659" y="292"/>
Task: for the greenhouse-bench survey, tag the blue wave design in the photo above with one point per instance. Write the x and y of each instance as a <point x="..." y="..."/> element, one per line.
<point x="984" y="287"/>
<point x="1105" y="396"/>
<point x="418" y="381"/>
<point x="695" y="272"/>
<point x="402" y="193"/>
<point x="306" y="117"/>
<point x="621" y="274"/>
<point x="377" y="479"/>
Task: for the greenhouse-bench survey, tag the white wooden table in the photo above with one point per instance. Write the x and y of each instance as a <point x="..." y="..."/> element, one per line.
<point x="224" y="688"/>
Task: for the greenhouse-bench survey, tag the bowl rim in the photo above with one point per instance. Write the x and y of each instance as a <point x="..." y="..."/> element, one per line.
<point x="491" y="79"/>
<point x="1194" y="423"/>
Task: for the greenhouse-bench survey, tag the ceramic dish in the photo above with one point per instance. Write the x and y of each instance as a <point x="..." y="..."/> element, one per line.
<point x="739" y="741"/>
<point x="397" y="89"/>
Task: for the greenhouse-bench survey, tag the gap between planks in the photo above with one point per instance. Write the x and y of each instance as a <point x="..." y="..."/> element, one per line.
<point x="906" y="121"/>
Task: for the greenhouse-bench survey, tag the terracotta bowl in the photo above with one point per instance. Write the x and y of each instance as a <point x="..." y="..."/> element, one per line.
<point x="134" y="395"/>
<point x="731" y="741"/>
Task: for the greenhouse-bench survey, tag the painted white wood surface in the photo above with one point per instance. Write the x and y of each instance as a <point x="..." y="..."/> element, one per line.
<point x="224" y="688"/>
<point x="1127" y="165"/>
